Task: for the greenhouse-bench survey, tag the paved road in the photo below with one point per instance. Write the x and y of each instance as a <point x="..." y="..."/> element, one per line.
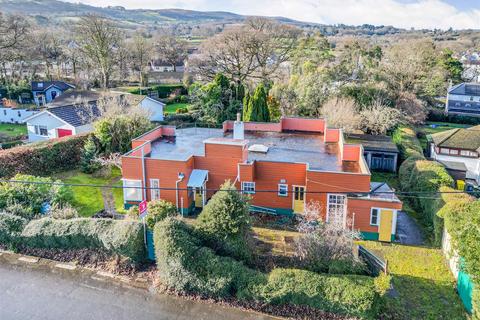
<point x="27" y="293"/>
<point x="408" y="231"/>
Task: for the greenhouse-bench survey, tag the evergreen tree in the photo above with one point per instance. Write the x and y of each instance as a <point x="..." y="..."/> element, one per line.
<point x="90" y="152"/>
<point x="258" y="107"/>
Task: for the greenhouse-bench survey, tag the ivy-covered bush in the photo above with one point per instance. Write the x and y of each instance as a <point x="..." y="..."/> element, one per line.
<point x="11" y="227"/>
<point x="27" y="199"/>
<point x="120" y="237"/>
<point x="186" y="264"/>
<point x="158" y="210"/>
<point x="43" y="158"/>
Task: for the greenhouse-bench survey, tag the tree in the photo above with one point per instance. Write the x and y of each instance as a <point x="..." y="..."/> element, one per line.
<point x="412" y="109"/>
<point x="451" y="65"/>
<point x="99" y="42"/>
<point x="379" y="118"/>
<point x="246" y="110"/>
<point x="171" y="49"/>
<point x="141" y="53"/>
<point x="13" y="30"/>
<point x="342" y="113"/>
<point x="158" y="210"/>
<point x="226" y="215"/>
<point x="257" y="106"/>
<point x="90" y="153"/>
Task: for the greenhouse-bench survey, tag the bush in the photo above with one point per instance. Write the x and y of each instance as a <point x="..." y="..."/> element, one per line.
<point x="63" y="212"/>
<point x="382" y="283"/>
<point x="186" y="266"/>
<point x="179" y="117"/>
<point x="44" y="158"/>
<point x="181" y="110"/>
<point x="407" y="142"/>
<point x="19" y="210"/>
<point x="34" y="194"/>
<point x="11" y="227"/>
<point x="158" y="210"/>
<point x="164" y="91"/>
<point x="124" y="238"/>
<point x="437" y="115"/>
<point x="342" y="294"/>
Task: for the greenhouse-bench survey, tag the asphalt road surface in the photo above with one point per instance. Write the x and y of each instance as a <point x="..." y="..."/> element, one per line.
<point x="27" y="293"/>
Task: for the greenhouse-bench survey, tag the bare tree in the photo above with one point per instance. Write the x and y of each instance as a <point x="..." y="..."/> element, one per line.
<point x="342" y="113"/>
<point x="141" y="53"/>
<point x="411" y="107"/>
<point x="379" y="118"/>
<point x="171" y="49"/>
<point x="99" y="41"/>
<point x="13" y="30"/>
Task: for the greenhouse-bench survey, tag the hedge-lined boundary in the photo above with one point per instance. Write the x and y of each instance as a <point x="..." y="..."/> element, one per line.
<point x="121" y="237"/>
<point x="43" y="158"/>
<point x="186" y="265"/>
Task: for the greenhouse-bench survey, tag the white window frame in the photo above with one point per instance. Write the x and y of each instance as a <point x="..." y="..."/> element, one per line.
<point x="378" y="216"/>
<point x="344" y="206"/>
<point x="132" y="190"/>
<point x="155" y="193"/>
<point x="454" y="152"/>
<point x="282" y="192"/>
<point x="38" y="130"/>
<point x="444" y="150"/>
<point x="248" y="187"/>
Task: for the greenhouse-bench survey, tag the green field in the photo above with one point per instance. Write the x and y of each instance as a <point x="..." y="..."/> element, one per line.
<point x="423" y="286"/>
<point x="172" y="108"/>
<point x="13" y="130"/>
<point x="89" y="200"/>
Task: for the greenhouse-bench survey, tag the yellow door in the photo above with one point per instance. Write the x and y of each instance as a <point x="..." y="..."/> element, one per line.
<point x="298" y="199"/>
<point x="198" y="198"/>
<point x="386" y="220"/>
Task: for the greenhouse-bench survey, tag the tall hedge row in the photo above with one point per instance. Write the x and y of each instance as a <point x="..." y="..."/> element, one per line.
<point x="43" y="158"/>
<point x="185" y="264"/>
<point x="120" y="237"/>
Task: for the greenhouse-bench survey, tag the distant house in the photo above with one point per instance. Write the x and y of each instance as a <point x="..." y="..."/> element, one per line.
<point x="46" y="91"/>
<point x="459" y="151"/>
<point x="159" y="65"/>
<point x="380" y="152"/>
<point x="14" y="114"/>
<point x="464" y="99"/>
<point x="70" y="114"/>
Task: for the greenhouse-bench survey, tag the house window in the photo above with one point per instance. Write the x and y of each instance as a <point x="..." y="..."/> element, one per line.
<point x="19" y="114"/>
<point x="248" y="187"/>
<point x="41" y="130"/>
<point x="444" y="150"/>
<point x="283" y="190"/>
<point x="337" y="208"/>
<point x="132" y="190"/>
<point x="454" y="152"/>
<point x="155" y="193"/>
<point x="4" y="112"/>
<point x="374" y="217"/>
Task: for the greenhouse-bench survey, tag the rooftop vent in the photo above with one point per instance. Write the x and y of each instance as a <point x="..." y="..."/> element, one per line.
<point x="260" y="148"/>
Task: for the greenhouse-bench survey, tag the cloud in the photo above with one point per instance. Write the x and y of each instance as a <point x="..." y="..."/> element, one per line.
<point x="399" y="13"/>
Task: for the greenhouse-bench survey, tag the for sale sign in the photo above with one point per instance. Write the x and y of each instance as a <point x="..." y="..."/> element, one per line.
<point x="142" y="208"/>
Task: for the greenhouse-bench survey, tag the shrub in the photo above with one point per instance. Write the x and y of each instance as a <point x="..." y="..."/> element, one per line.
<point x="33" y="194"/>
<point x="382" y="283"/>
<point x="63" y="212"/>
<point x="44" y="158"/>
<point x="90" y="152"/>
<point x="19" y="210"/>
<point x="185" y="265"/>
<point x="158" y="210"/>
<point x="407" y="142"/>
<point x="11" y="227"/>
<point x="344" y="294"/>
<point x="163" y="90"/>
<point x="124" y="238"/>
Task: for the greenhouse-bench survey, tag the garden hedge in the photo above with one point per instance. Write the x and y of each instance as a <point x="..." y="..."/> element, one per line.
<point x="186" y="265"/>
<point x="407" y="142"/>
<point x="43" y="158"/>
<point x="163" y="91"/>
<point x="11" y="227"/>
<point x="120" y="237"/>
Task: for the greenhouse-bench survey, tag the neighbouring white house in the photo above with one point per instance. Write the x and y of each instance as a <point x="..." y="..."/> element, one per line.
<point x="463" y="99"/>
<point x="459" y="151"/>
<point x="15" y="114"/>
<point x="153" y="106"/>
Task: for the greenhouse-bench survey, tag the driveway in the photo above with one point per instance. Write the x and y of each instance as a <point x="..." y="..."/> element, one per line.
<point x="27" y="293"/>
<point x="408" y="231"/>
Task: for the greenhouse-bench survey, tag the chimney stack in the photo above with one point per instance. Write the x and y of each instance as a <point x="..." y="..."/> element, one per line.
<point x="238" y="128"/>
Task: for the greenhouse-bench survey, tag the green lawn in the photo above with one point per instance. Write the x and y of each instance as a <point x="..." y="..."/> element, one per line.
<point x="89" y="200"/>
<point x="13" y="130"/>
<point x="424" y="287"/>
<point x="172" y="108"/>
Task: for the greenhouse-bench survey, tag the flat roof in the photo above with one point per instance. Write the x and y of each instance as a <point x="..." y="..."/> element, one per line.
<point x="282" y="147"/>
<point x="373" y="143"/>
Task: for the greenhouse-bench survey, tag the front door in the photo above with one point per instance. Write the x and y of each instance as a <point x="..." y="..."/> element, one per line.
<point x="198" y="197"/>
<point x="386" y="220"/>
<point x="298" y="199"/>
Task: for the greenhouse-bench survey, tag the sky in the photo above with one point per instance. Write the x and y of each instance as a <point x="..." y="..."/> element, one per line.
<point x="443" y="14"/>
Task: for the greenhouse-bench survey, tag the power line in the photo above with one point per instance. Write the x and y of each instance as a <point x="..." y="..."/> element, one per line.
<point x="74" y="185"/>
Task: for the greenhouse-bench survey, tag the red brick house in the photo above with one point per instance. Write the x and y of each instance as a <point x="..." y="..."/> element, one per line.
<point x="283" y="166"/>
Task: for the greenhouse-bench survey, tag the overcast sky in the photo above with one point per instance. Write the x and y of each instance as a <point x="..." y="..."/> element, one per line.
<point x="459" y="14"/>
